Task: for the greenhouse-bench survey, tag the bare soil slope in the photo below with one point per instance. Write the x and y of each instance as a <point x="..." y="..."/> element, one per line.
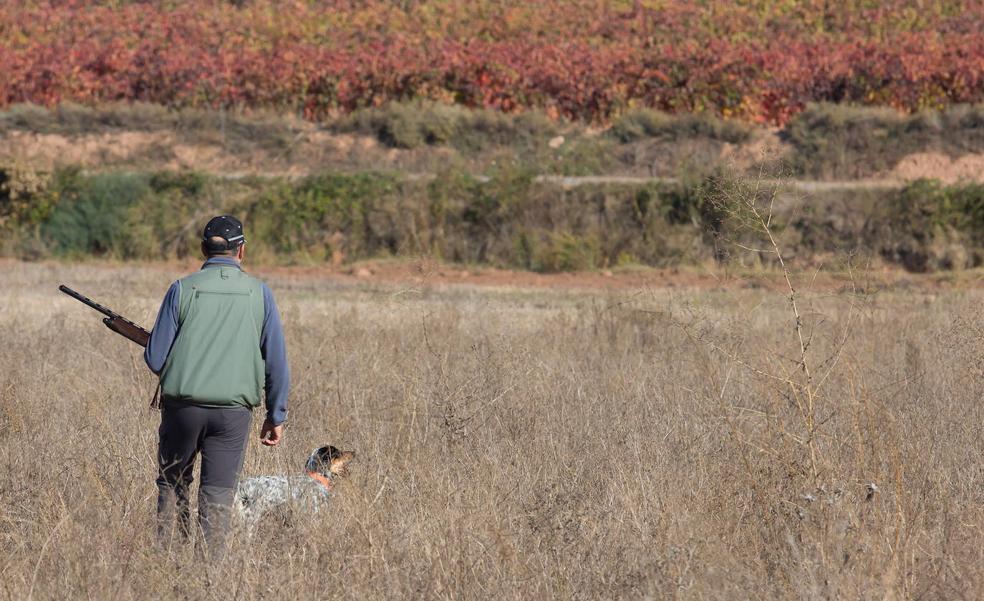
<point x="312" y="150"/>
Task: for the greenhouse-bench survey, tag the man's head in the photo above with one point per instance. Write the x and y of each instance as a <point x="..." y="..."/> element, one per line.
<point x="223" y="237"/>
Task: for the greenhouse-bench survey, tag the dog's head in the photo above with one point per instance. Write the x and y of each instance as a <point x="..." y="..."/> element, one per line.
<point x="329" y="461"/>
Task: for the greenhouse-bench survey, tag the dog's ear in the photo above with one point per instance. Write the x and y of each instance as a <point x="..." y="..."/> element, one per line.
<point x="339" y="463"/>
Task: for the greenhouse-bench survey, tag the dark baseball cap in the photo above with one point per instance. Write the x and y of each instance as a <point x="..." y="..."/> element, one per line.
<point x="226" y="227"/>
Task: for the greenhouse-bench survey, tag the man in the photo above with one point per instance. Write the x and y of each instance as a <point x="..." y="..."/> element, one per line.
<point x="216" y="344"/>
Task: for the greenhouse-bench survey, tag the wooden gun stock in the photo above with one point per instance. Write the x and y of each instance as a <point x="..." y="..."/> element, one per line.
<point x="127" y="330"/>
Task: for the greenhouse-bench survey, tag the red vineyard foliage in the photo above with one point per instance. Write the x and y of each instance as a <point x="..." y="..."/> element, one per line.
<point x="583" y="59"/>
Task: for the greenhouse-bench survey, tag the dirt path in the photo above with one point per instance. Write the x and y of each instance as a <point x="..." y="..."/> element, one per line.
<point x="426" y="273"/>
<point x="797" y="185"/>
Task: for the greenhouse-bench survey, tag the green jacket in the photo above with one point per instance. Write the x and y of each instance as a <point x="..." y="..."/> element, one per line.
<point x="215" y="359"/>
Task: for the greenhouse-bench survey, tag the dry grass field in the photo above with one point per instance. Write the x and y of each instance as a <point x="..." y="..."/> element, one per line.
<point x="516" y="443"/>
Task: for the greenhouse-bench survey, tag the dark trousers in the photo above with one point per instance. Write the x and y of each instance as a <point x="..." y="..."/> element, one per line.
<point x="220" y="435"/>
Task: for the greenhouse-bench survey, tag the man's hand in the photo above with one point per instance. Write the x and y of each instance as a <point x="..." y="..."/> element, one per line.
<point x="270" y="435"/>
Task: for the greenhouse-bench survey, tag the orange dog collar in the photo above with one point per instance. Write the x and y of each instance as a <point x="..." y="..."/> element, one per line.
<point x="320" y="478"/>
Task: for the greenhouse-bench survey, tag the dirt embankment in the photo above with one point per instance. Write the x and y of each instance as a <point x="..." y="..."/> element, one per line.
<point x="969" y="167"/>
<point x="425" y="273"/>
<point x="314" y="150"/>
<point x="309" y="152"/>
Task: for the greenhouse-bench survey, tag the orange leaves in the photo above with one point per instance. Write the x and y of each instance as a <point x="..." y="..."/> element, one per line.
<point x="584" y="59"/>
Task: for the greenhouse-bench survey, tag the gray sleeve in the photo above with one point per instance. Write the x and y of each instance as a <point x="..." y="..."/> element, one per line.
<point x="274" y="351"/>
<point x="165" y="330"/>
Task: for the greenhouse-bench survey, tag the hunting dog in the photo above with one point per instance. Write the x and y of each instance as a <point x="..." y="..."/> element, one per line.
<point x="259" y="495"/>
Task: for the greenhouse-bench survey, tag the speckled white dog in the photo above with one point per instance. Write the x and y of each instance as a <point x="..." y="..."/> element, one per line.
<point x="258" y="495"/>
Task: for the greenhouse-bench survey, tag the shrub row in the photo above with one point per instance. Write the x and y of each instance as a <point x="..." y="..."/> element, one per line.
<point x="193" y="125"/>
<point x="587" y="60"/>
<point x="824" y="141"/>
<point x="421" y="123"/>
<point x="827" y="141"/>
<point x="848" y="142"/>
<point x="507" y="220"/>
<point x="510" y="220"/>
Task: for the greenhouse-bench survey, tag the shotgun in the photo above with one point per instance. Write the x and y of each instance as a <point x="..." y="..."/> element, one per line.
<point x="114" y="321"/>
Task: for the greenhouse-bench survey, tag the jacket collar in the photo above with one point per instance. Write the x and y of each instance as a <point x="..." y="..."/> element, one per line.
<point x="222" y="262"/>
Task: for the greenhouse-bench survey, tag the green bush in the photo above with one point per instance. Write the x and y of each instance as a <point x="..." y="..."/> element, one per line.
<point x="303" y="217"/>
<point x="405" y="125"/>
<point x="91" y="212"/>
<point x="581" y="156"/>
<point x="641" y="124"/>
<point x="569" y="252"/>
<point x="480" y="129"/>
<point x="228" y="128"/>
<point x="507" y="219"/>
<point x="834" y="141"/>
<point x="839" y="141"/>
<point x="25" y="197"/>
<point x="473" y="220"/>
<point x="925" y="205"/>
<point x="423" y="123"/>
<point x="927" y="226"/>
<point x="127" y="215"/>
<point x="166" y="220"/>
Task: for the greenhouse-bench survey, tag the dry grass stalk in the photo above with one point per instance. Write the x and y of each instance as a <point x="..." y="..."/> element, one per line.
<point x="594" y="449"/>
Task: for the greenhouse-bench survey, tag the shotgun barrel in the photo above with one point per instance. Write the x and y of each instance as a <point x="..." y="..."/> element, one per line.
<point x="114" y="321"/>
